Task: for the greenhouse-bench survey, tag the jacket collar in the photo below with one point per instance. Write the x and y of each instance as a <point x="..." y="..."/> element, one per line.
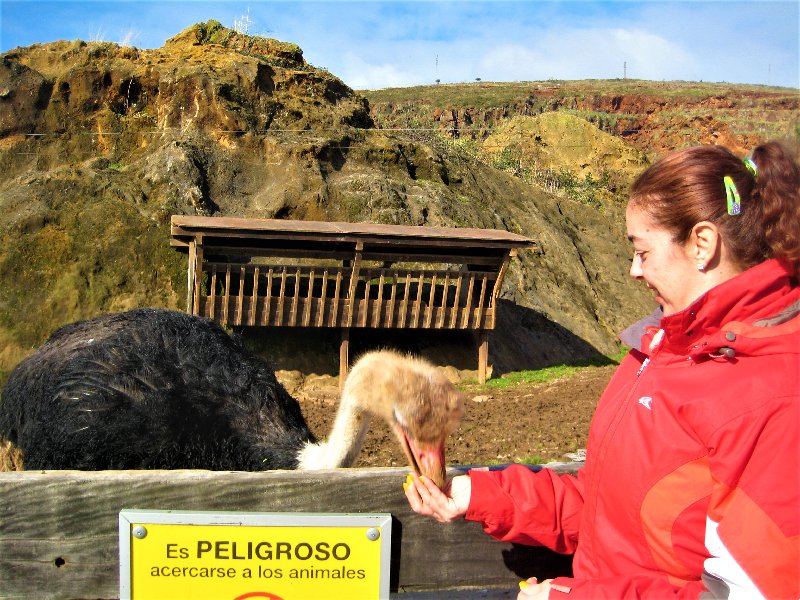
<point x="756" y="296"/>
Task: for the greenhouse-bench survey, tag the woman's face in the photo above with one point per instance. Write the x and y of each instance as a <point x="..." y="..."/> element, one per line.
<point x="666" y="267"/>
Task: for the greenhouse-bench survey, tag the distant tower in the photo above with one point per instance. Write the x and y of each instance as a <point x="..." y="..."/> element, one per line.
<point x="242" y="25"/>
<point x="625" y="70"/>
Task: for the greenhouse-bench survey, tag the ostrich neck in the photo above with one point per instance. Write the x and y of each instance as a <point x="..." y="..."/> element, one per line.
<point x="345" y="439"/>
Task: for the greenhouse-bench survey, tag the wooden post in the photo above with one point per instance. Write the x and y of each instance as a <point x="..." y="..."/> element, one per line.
<point x="190" y="279"/>
<point x="198" y="275"/>
<point x="479" y="324"/>
<point x="281" y="298"/>
<point x="268" y="298"/>
<point x="483" y="354"/>
<point x="226" y="298"/>
<point x="254" y="298"/>
<point x="443" y="305"/>
<point x="295" y="299"/>
<point x="395" y="283"/>
<point x="404" y="310"/>
<point x="456" y="303"/>
<point x="336" y="290"/>
<point x="468" y="308"/>
<point x="212" y="295"/>
<point x="344" y="356"/>
<point x="498" y="283"/>
<point x="323" y="298"/>
<point x="418" y="304"/>
<point x="309" y="299"/>
<point x="239" y="318"/>
<point x="354" y="275"/>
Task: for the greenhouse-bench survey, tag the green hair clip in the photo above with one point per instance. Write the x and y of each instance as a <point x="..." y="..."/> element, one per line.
<point x="732" y="194"/>
<point x="751" y="166"/>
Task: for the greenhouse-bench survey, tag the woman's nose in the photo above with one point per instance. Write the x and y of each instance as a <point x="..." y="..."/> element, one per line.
<point x="636" y="267"/>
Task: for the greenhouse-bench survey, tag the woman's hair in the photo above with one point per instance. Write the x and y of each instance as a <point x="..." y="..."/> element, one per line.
<point x="687" y="187"/>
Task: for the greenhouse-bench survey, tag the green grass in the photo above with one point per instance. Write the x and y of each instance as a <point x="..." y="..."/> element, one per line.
<point x="603" y="118"/>
<point x="519" y="460"/>
<point x="554" y="372"/>
<point x="413" y="107"/>
<point x="486" y="93"/>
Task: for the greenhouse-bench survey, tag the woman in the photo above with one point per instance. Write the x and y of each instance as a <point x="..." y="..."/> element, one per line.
<point x="691" y="479"/>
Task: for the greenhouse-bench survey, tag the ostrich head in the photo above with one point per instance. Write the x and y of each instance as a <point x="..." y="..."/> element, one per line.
<point x="419" y="404"/>
<point x="422" y="409"/>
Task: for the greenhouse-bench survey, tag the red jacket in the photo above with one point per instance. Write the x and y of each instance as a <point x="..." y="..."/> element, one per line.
<point x="693" y="460"/>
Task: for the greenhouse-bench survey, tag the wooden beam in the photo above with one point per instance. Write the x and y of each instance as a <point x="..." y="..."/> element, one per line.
<point x="498" y="283"/>
<point x="483" y="355"/>
<point x="59" y="529"/>
<point x="421" y="255"/>
<point x="183" y="226"/>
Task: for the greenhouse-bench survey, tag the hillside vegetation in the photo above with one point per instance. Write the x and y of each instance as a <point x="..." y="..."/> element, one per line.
<point x="655" y="117"/>
<point x="100" y="144"/>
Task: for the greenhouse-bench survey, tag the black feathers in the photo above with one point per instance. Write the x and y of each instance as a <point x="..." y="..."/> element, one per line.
<point x="149" y="389"/>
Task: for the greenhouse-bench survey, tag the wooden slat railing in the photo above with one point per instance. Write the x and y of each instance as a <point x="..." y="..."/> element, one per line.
<point x="307" y="296"/>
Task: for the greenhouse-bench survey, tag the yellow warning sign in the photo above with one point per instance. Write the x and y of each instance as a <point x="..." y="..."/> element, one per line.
<point x="234" y="556"/>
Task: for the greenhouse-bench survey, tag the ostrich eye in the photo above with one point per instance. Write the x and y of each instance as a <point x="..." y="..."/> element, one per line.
<point x="399" y="418"/>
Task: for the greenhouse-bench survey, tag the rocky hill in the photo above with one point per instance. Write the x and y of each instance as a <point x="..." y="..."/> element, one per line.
<point x="100" y="144"/>
<point x="655" y="117"/>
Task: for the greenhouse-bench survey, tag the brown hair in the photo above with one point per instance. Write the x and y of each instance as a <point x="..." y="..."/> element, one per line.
<point x="687" y="187"/>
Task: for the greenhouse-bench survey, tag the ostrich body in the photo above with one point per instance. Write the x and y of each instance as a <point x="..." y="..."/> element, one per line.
<point x="160" y="389"/>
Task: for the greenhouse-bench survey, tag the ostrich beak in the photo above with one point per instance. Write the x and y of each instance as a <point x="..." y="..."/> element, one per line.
<point x="425" y="458"/>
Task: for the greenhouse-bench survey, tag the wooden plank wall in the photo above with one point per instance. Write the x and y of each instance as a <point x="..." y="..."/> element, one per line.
<point x="59" y="536"/>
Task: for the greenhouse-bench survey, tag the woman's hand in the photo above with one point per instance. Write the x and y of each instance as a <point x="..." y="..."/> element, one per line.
<point x="427" y="499"/>
<point x="532" y="590"/>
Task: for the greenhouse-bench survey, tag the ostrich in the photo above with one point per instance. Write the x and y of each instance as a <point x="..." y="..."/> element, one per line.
<point x="160" y="389"/>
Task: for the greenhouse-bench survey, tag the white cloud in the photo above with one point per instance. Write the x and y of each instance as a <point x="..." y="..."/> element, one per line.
<point x="359" y="74"/>
<point x="586" y="54"/>
<point x="129" y="37"/>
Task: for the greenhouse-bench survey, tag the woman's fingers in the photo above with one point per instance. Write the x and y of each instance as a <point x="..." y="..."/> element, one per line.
<point x="425" y="497"/>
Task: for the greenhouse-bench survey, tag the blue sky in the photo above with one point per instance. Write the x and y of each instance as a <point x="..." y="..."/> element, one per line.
<point x="372" y="44"/>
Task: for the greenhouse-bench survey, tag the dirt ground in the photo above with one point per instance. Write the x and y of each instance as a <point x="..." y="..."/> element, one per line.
<point x="526" y="422"/>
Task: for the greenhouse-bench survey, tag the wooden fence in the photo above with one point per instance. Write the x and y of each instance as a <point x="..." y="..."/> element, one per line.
<point x="59" y="529"/>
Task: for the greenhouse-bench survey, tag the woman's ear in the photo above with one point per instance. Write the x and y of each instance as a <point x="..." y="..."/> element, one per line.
<point x="704" y="244"/>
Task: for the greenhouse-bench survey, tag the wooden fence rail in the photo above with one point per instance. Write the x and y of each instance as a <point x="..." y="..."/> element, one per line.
<point x="59" y="529"/>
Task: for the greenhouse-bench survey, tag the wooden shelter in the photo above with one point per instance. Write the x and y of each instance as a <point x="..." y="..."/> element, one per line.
<point x="283" y="273"/>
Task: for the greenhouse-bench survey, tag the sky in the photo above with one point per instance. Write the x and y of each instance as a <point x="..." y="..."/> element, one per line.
<point x="400" y="43"/>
